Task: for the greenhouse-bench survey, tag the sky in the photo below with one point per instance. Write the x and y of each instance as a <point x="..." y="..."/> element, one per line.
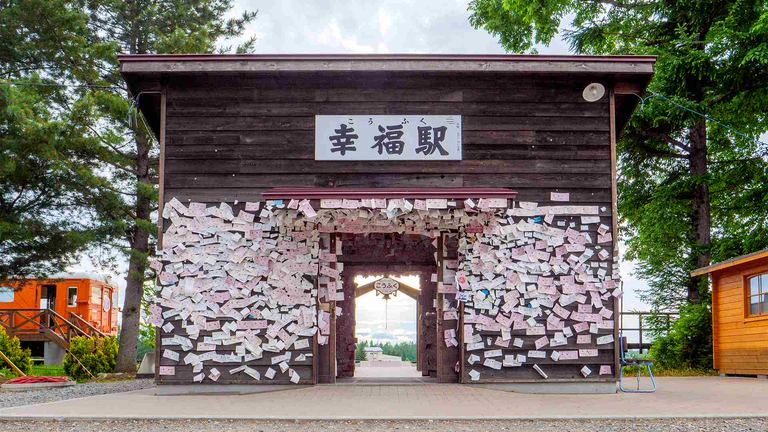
<point x="385" y="26"/>
<point x="364" y="26"/>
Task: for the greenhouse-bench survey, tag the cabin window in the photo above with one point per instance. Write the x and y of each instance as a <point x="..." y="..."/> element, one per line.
<point x="72" y="296"/>
<point x="6" y="294"/>
<point x="95" y="295"/>
<point x="758" y="294"/>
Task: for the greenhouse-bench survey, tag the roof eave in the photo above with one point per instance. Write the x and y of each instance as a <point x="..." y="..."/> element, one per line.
<point x="243" y="63"/>
<point x="733" y="262"/>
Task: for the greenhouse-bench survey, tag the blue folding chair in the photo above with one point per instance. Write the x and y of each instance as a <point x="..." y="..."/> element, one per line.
<point x="639" y="363"/>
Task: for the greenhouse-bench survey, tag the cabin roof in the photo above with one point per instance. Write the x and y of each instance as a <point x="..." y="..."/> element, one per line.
<point x="79" y="275"/>
<point x="736" y="261"/>
<point x="144" y="73"/>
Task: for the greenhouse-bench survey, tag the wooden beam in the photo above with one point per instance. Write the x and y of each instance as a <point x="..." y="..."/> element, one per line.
<point x="514" y="64"/>
<point x="614" y="221"/>
<point x="628" y="88"/>
<point x="161" y="170"/>
<point x="404" y="288"/>
<point x="13" y="366"/>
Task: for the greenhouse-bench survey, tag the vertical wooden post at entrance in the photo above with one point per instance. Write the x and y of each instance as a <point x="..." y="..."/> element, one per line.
<point x="419" y="354"/>
<point x="446" y="356"/>
<point x="429" y="322"/>
<point x="325" y="357"/>
<point x="335" y="246"/>
<point x="441" y="354"/>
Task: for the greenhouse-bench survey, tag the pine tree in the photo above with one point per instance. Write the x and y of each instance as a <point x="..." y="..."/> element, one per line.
<point x="49" y="184"/>
<point x="129" y="151"/>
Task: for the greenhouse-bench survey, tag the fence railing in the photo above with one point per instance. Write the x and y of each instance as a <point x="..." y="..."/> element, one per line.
<point x="45" y="323"/>
<point x="645" y="331"/>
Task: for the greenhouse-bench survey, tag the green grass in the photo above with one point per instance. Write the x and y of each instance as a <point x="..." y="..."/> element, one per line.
<point x="51" y="370"/>
<point x="677" y="372"/>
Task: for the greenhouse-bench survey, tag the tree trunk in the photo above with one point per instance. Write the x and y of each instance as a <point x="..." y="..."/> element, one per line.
<point x="701" y="215"/>
<point x="137" y="264"/>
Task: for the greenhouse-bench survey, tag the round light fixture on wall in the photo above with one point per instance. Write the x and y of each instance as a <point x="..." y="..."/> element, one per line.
<point x="593" y="92"/>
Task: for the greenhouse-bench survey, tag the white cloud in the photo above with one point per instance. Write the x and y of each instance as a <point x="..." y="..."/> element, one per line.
<point x="385" y="21"/>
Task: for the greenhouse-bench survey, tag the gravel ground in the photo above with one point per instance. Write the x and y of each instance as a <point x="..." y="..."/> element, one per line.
<point x="9" y="399"/>
<point x="676" y="425"/>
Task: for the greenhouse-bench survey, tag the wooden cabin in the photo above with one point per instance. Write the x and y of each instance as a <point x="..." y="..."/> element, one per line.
<point x="740" y="314"/>
<point x="45" y="313"/>
<point x="276" y="143"/>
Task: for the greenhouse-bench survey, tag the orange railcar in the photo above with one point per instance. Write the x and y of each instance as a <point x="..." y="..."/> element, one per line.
<point x="92" y="297"/>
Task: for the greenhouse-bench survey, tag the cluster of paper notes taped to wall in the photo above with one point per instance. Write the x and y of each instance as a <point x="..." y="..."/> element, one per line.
<point x="539" y="291"/>
<point x="238" y="290"/>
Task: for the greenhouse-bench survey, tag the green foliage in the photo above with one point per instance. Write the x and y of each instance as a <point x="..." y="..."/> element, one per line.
<point x="146" y="340"/>
<point x="713" y="59"/>
<point x="11" y="347"/>
<point x="406" y="350"/>
<point x="688" y="344"/>
<point x="48" y="185"/>
<point x="98" y="355"/>
<point x="47" y="370"/>
<point x="360" y="350"/>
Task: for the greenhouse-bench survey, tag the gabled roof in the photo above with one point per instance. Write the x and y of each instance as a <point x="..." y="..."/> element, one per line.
<point x="739" y="260"/>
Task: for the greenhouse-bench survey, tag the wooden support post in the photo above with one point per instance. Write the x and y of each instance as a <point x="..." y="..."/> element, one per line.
<point x="13" y="366"/>
<point x="614" y="218"/>
<point x="81" y="364"/>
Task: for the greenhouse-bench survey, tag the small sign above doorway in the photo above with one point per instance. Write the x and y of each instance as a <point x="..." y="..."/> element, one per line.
<point x="386" y="286"/>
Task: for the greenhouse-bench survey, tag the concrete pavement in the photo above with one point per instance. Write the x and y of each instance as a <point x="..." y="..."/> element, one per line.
<point x="677" y="397"/>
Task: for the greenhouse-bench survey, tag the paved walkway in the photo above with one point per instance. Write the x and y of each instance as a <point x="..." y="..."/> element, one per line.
<point x="677" y="397"/>
<point x="402" y="370"/>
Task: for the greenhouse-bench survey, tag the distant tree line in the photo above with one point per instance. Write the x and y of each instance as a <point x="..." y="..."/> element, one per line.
<point x="406" y="350"/>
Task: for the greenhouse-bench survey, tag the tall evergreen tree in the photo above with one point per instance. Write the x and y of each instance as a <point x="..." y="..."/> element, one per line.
<point x="49" y="182"/>
<point x="128" y="150"/>
<point x="691" y="191"/>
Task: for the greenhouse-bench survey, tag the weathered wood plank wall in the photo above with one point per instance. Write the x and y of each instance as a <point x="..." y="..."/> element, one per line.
<point x="231" y="138"/>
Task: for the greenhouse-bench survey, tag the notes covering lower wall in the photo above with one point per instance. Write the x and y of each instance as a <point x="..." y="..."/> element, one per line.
<point x="542" y="277"/>
<point x="237" y="290"/>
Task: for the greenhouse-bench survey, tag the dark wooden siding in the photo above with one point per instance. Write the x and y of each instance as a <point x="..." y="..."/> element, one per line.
<point x="231" y="138"/>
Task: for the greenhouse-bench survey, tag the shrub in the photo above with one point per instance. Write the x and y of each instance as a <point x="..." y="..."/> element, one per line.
<point x="688" y="345"/>
<point x="97" y="355"/>
<point x="146" y="341"/>
<point x="11" y="347"/>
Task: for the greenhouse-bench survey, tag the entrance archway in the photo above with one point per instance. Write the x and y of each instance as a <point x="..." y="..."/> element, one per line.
<point x="384" y="254"/>
<point x="386" y="327"/>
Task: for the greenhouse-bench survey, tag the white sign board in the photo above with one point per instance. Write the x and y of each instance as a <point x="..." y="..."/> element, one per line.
<point x="386" y="286"/>
<point x="388" y="137"/>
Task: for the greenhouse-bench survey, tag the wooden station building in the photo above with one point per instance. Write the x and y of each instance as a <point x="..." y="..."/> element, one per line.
<point x="500" y="170"/>
<point x="740" y="314"/>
